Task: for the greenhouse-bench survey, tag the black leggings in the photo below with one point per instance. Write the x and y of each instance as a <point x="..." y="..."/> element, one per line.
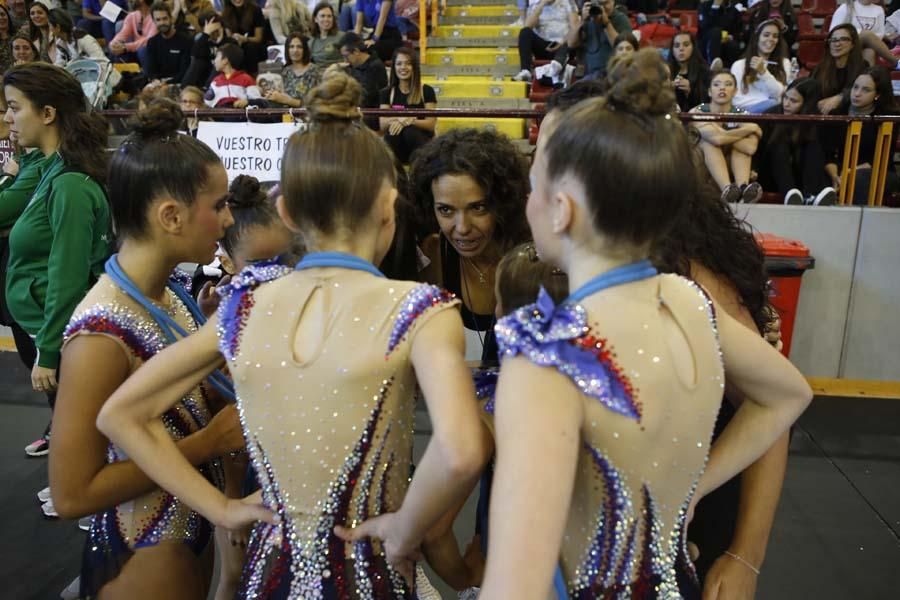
<point x="532" y="46"/>
<point x="28" y="354"/>
<point x="410" y="139"/>
<point x="799" y="166"/>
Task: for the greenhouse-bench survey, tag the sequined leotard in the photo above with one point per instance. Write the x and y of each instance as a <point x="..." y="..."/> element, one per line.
<point x="641" y="453"/>
<point x="156" y="517"/>
<point x="330" y="435"/>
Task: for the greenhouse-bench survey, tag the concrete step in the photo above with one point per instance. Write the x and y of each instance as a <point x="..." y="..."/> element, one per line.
<point x="512" y="128"/>
<point x="464" y="42"/>
<point x="492" y="71"/>
<point x="477" y="87"/>
<point x="472" y="56"/>
<point x="508" y="10"/>
<point x="477" y="31"/>
<point x="500" y="102"/>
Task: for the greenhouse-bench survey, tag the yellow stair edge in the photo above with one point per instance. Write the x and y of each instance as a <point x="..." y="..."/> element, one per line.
<point x="508" y="10"/>
<point x="471" y="56"/>
<point x="511" y="128"/>
<point x="476" y="31"/>
<point x="477" y="87"/>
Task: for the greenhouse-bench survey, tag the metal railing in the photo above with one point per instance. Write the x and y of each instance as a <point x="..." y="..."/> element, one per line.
<point x="882" y="159"/>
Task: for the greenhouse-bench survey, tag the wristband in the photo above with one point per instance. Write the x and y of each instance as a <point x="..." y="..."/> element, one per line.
<point x="742" y="561"/>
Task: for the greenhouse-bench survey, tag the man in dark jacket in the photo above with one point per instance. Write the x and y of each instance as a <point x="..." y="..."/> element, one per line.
<point x="206" y="43"/>
<point x="169" y="51"/>
<point x="367" y="69"/>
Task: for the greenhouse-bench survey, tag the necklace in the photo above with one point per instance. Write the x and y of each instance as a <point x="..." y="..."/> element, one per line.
<point x="481" y="276"/>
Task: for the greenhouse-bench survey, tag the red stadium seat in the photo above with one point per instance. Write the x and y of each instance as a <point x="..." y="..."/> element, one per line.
<point x="819" y="8"/>
<point x="810" y="53"/>
<point x="806" y="29"/>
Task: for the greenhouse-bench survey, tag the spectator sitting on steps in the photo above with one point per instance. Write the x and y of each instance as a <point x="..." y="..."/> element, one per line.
<point x="543" y="35"/>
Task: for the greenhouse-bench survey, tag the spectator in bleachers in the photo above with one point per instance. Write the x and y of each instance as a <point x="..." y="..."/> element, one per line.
<point x="405" y="135"/>
<point x="593" y="32"/>
<point x="366" y="68"/>
<point x="326" y="37"/>
<point x="98" y="26"/>
<point x="24" y="50"/>
<point x="779" y="10"/>
<point x="203" y="51"/>
<point x="191" y="100"/>
<point x="187" y="14"/>
<point x="287" y="16"/>
<point x="244" y="23"/>
<point x="867" y="18"/>
<point x="68" y="44"/>
<point x="386" y="36"/>
<point x="840" y="66"/>
<point x="724" y="143"/>
<point x="169" y="51"/>
<point x="763" y="73"/>
<point x="689" y="72"/>
<point x="791" y="158"/>
<point x="38" y="28"/>
<point x="626" y="44"/>
<point x="230" y="87"/>
<point x="543" y="36"/>
<point x="130" y="44"/>
<point x="18" y="10"/>
<point x="719" y="30"/>
<point x="299" y="75"/>
<point x="871" y="94"/>
<point x="6" y="35"/>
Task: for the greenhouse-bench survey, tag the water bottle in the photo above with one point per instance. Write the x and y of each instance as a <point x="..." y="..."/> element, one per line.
<point x="795" y="68"/>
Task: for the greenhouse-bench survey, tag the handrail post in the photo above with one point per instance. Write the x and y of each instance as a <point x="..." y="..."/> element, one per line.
<point x="423" y="29"/>
<point x="848" y="166"/>
<point x="434" y="14"/>
<point x="881" y="163"/>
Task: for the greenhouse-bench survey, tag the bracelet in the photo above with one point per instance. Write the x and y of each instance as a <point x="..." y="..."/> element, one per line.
<point x="741" y="560"/>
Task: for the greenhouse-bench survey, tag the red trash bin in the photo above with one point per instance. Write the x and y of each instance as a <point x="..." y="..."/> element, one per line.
<point x="786" y="261"/>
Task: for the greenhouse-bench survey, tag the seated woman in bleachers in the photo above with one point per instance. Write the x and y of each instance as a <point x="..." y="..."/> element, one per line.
<point x="724" y="143"/>
<point x="23" y="50"/>
<point x="867" y="17"/>
<point x="244" y="23"/>
<point x="871" y="94"/>
<point x="764" y="71"/>
<point x="38" y="28"/>
<point x="405" y="135"/>
<point x="68" y="44"/>
<point x="839" y="67"/>
<point x="689" y="71"/>
<point x="325" y="42"/>
<point x="188" y="13"/>
<point x="6" y="35"/>
<point x="625" y="44"/>
<point x="791" y="158"/>
<point x="299" y="74"/>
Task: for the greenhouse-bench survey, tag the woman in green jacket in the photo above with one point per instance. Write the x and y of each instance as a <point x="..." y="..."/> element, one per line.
<point x="61" y="239"/>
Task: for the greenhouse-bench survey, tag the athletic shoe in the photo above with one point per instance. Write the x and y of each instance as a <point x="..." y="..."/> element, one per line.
<point x="523" y="75"/>
<point x="827" y="197"/>
<point x="469" y="593"/>
<point x="716" y="65"/>
<point x="751" y="193"/>
<point x="731" y="194"/>
<point x="49" y="510"/>
<point x="84" y="523"/>
<point x="793" y="197"/>
<point x="44" y="495"/>
<point x="39" y="447"/>
<point x="72" y="591"/>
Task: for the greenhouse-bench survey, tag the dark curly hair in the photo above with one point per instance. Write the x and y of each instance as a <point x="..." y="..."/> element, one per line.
<point x="710" y="234"/>
<point x="493" y="162"/>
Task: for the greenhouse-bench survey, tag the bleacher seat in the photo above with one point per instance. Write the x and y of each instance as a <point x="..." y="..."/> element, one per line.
<point x="810" y="53"/>
<point x="807" y="30"/>
<point x="819" y="8"/>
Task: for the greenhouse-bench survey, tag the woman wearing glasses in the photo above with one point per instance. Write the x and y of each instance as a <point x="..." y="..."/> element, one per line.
<point x="840" y="66"/>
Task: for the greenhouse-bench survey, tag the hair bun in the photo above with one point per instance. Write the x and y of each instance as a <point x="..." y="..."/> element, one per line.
<point x="337" y="98"/>
<point x="245" y="192"/>
<point x="639" y="84"/>
<point x="161" y="118"/>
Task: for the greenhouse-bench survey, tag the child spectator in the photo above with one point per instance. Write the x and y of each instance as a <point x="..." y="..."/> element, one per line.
<point x="722" y="143"/>
<point x="191" y="100"/>
<point x="230" y="87"/>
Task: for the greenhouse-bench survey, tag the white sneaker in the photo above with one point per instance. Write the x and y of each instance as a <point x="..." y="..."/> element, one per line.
<point x="793" y="197"/>
<point x="44" y="495"/>
<point x="716" y="65"/>
<point x="72" y="591"/>
<point x="523" y="75"/>
<point x="827" y="197"/>
<point x="520" y="22"/>
<point x="49" y="510"/>
<point x="84" y="523"/>
<point x="555" y="68"/>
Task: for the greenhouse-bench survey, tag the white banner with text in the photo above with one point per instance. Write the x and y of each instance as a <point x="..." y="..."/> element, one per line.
<point x="248" y="148"/>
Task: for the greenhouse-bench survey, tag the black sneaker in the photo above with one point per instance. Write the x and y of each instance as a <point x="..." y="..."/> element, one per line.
<point x="751" y="193"/>
<point x="794" y="197"/>
<point x="731" y="194"/>
<point x="827" y="197"/>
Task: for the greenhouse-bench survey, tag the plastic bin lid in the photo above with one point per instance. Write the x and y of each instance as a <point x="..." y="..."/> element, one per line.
<point x="774" y="245"/>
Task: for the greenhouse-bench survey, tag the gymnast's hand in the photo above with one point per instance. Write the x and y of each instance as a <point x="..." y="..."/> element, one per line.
<point x="385" y="529"/>
<point x="240" y="512"/>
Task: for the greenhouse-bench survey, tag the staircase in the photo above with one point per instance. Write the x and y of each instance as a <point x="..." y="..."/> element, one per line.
<point x="470" y="59"/>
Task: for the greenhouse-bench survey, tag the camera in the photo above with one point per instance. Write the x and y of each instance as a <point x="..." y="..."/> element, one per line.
<point x="595" y="10"/>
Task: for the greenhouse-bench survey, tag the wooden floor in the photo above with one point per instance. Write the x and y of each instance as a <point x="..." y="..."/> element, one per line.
<point x="836" y="537"/>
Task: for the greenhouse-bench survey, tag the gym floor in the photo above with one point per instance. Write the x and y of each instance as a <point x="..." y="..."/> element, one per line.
<point x="836" y="536"/>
